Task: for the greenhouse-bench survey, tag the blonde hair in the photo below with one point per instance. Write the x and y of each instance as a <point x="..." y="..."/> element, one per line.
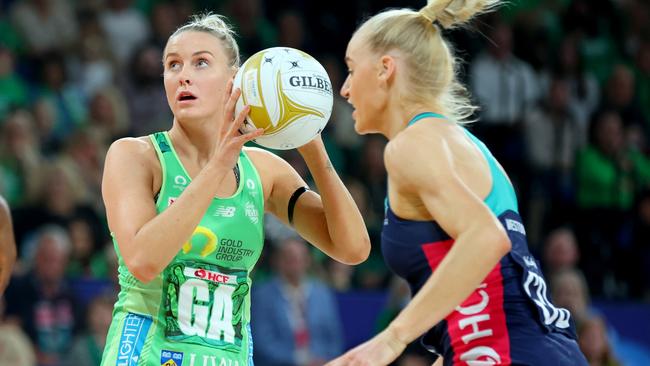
<point x="431" y="67"/>
<point x="215" y="25"/>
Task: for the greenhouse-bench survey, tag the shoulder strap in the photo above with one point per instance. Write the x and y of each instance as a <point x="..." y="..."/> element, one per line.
<point x="425" y="115"/>
<point x="501" y="186"/>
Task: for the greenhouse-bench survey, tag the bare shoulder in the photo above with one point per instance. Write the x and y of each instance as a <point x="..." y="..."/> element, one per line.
<point x="419" y="153"/>
<point x="133" y="152"/>
<point x="137" y="147"/>
<point x="133" y="159"/>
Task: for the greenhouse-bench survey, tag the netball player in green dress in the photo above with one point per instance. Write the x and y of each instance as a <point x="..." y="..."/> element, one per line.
<point x="186" y="208"/>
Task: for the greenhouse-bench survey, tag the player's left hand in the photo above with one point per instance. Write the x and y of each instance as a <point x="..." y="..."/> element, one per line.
<point x="381" y="350"/>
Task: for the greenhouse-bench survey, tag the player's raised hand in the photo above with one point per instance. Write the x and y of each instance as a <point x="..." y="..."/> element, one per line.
<point x="230" y="140"/>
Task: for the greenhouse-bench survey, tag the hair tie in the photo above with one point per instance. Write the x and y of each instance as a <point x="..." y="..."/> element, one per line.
<point x="427" y="17"/>
<point x="432" y="21"/>
<point x="446" y="10"/>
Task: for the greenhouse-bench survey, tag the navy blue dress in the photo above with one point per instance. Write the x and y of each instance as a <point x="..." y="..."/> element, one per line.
<point x="508" y="319"/>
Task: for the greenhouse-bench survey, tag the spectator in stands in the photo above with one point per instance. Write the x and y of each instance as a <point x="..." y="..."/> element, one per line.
<point x="569" y="290"/>
<point x="68" y="100"/>
<point x="505" y="87"/>
<point x="296" y="320"/>
<point x="619" y="96"/>
<point x="553" y="136"/>
<point x="108" y="115"/>
<point x="584" y="91"/>
<point x="20" y="159"/>
<point x="93" y="61"/>
<point x="44" y="113"/>
<point x="594" y="343"/>
<point x="40" y="301"/>
<point x="339" y="275"/>
<point x="597" y="25"/>
<point x="61" y="199"/>
<point x="85" y="152"/>
<point x="560" y="251"/>
<point x="86" y="258"/>
<point x="14" y="88"/>
<point x="609" y="175"/>
<point x="372" y="274"/>
<point x="126" y="29"/>
<point x="45" y="25"/>
<point x="88" y="347"/>
<point x="17" y="349"/>
<point x="144" y="92"/>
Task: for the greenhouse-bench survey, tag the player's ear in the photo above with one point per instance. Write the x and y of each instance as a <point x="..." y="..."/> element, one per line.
<point x="386" y="67"/>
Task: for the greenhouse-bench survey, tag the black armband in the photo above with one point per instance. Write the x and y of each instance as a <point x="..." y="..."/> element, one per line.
<point x="292" y="202"/>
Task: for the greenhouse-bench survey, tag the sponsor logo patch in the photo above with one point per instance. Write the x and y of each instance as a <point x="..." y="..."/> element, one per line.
<point x="134" y="333"/>
<point x="252" y="213"/>
<point x="171" y="358"/>
<point x="516" y="226"/>
<point x="225" y="211"/>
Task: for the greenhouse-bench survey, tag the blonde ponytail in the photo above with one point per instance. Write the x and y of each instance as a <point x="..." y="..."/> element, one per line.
<point x="453" y="13"/>
<point x="430" y="65"/>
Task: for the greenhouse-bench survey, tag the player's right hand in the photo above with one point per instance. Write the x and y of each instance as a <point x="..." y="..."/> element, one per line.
<point x="229" y="138"/>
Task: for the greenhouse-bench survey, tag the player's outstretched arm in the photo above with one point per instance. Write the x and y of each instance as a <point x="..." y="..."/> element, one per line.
<point x="334" y="223"/>
<point x="330" y="220"/>
<point x="7" y="246"/>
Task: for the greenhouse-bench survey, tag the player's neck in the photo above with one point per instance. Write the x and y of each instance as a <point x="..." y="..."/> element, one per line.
<point x="393" y="121"/>
<point x="399" y="116"/>
<point x="195" y="138"/>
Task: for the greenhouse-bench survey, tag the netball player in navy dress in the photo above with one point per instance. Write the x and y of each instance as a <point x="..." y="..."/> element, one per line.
<point x="452" y="226"/>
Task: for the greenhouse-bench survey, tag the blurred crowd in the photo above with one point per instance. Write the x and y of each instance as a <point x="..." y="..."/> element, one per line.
<point x="564" y="91"/>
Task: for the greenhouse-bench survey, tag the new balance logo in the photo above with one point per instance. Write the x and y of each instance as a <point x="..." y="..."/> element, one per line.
<point x="225" y="211"/>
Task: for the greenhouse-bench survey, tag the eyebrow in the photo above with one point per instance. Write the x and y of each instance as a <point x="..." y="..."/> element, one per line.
<point x="194" y="54"/>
